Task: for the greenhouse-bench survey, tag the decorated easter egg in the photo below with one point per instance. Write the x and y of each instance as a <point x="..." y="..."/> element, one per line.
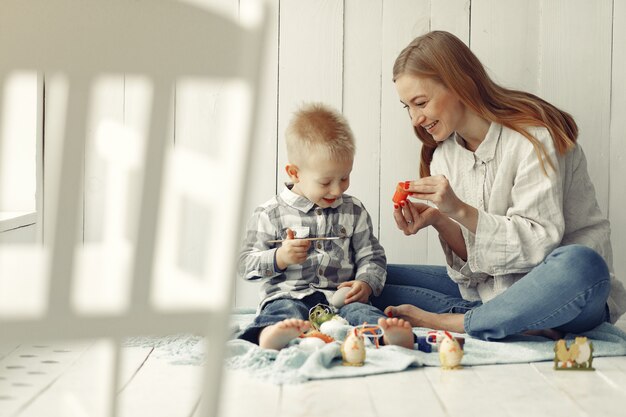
<point x="353" y="349"/>
<point x="336" y="327"/>
<point x="450" y="352"/>
<point x="310" y="344"/>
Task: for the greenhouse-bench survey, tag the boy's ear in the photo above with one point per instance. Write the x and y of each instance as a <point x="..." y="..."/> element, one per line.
<point x="292" y="171"/>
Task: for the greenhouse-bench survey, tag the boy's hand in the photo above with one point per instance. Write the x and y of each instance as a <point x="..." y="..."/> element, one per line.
<point x="360" y="292"/>
<point x="292" y="251"/>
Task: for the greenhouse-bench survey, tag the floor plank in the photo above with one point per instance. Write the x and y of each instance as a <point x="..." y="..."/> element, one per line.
<point x="498" y="390"/>
<point x="162" y="389"/>
<point x="339" y="397"/>
<point x="613" y="370"/>
<point x="84" y="389"/>
<point x="591" y="392"/>
<point x="72" y="380"/>
<point x="28" y="371"/>
<point x="243" y="395"/>
<point x="401" y="394"/>
<point x="518" y="390"/>
<point x="458" y="391"/>
<point x="7" y="348"/>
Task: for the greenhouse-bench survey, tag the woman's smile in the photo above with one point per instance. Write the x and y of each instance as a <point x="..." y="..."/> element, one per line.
<point x="430" y="126"/>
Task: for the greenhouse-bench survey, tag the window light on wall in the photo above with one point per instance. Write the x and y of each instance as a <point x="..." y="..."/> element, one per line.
<point x="20" y="128"/>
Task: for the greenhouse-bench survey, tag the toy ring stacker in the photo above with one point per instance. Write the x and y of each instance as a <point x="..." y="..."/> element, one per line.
<point x="371" y="331"/>
<point x="319" y="314"/>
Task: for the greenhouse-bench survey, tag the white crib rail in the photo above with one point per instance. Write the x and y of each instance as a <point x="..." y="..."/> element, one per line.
<point x="123" y="286"/>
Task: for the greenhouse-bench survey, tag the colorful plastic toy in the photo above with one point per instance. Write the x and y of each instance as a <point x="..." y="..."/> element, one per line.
<point x="435" y="337"/>
<point x="424" y="345"/>
<point x="319" y="314"/>
<point x="371" y="331"/>
<point x="578" y="356"/>
<point x="401" y="194"/>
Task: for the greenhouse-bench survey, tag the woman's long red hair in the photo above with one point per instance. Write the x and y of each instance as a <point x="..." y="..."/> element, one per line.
<point x="443" y="57"/>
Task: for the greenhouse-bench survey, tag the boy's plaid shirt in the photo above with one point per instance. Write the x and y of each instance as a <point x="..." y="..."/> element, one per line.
<point x="359" y="256"/>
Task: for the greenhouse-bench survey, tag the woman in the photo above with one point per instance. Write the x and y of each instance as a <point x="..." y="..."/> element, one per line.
<point x="526" y="245"/>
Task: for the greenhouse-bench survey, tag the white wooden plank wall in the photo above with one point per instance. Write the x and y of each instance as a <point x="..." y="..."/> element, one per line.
<point x="341" y="52"/>
<point x="362" y="95"/>
<point x="616" y="160"/>
<point x="402" y="21"/>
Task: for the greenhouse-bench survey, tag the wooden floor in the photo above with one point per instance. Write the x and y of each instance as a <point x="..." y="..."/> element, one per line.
<point x="67" y="380"/>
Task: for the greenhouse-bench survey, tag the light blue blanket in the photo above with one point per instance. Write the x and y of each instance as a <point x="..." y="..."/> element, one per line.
<point x="294" y="364"/>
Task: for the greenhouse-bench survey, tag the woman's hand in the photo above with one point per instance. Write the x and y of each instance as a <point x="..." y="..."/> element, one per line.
<point x="413" y="216"/>
<point x="438" y="190"/>
<point x="360" y="291"/>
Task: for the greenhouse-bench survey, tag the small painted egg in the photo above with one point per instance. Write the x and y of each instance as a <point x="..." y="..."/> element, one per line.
<point x="336" y="327"/>
<point x="339" y="297"/>
<point x="311" y="344"/>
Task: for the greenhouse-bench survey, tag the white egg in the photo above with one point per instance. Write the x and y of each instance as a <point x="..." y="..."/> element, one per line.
<point x="340" y="319"/>
<point x="310" y="344"/>
<point x="339" y="297"/>
<point x="335" y="328"/>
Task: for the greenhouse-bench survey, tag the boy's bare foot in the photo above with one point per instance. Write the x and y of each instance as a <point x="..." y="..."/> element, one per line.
<point x="452" y="322"/>
<point x="397" y="332"/>
<point x="277" y="336"/>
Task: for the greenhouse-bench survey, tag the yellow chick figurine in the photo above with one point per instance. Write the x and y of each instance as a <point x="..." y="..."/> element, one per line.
<point x="577" y="357"/>
<point x="450" y="352"/>
<point x="353" y="349"/>
<point x="580" y="352"/>
<point x="562" y="354"/>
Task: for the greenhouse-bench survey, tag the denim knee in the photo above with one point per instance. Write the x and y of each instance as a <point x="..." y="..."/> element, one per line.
<point x="359" y="313"/>
<point x="590" y="266"/>
<point x="570" y="287"/>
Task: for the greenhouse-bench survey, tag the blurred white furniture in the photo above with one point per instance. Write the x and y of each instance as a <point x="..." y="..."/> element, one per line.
<point x="130" y="282"/>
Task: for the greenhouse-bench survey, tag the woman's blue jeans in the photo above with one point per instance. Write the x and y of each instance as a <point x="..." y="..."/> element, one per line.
<point x="567" y="292"/>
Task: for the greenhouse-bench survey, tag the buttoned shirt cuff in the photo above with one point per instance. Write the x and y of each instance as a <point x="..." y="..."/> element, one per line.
<point x="375" y="283"/>
<point x="267" y="267"/>
<point x="459" y="270"/>
<point x="276" y="268"/>
<point x="452" y="259"/>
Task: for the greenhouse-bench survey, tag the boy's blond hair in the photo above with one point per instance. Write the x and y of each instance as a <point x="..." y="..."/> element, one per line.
<point x="318" y="127"/>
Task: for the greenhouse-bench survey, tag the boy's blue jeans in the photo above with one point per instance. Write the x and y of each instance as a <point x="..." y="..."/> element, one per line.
<point x="567" y="292"/>
<point x="281" y="309"/>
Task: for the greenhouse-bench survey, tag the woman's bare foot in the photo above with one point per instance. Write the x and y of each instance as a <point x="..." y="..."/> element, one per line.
<point x="277" y="336"/>
<point x="549" y="333"/>
<point x="397" y="332"/>
<point x="421" y="318"/>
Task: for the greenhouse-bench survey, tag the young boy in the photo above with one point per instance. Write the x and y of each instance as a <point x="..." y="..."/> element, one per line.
<point x="296" y="273"/>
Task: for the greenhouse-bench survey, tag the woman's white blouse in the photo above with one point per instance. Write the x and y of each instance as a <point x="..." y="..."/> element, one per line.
<point x="523" y="212"/>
